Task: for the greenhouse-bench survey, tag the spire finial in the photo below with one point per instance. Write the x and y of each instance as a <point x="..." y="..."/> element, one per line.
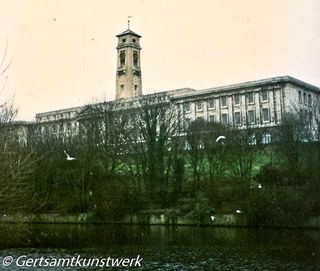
<point x="129" y="21"/>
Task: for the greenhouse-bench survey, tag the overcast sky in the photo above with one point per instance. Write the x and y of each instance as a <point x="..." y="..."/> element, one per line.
<point x="63" y="51"/>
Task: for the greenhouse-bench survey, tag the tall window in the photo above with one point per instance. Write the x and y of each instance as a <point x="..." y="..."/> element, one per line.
<point x="265" y="114"/>
<point x="122" y="87"/>
<point x="224" y="119"/>
<point x="224" y="101"/>
<point x="251" y="117"/>
<point x="186" y="107"/>
<point x="264" y="95"/>
<point x="250" y="97"/>
<point x="237" y="118"/>
<point x="199" y="105"/>
<point x="236" y="98"/>
<point x="300" y="97"/>
<point x="135" y="59"/>
<point x="309" y="100"/>
<point x="211" y="118"/>
<point x="122" y="58"/>
<point x="211" y="103"/>
<point x="305" y="98"/>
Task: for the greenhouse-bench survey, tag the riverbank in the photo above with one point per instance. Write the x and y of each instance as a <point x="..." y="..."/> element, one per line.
<point x="158" y="217"/>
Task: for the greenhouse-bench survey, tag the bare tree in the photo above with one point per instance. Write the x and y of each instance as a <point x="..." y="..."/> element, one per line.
<point x="153" y="124"/>
<point x="16" y="163"/>
<point x="195" y="150"/>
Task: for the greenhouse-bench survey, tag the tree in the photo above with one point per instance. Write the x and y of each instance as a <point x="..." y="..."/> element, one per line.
<point x="152" y="127"/>
<point x="195" y="150"/>
<point x="215" y="154"/>
<point x="16" y="164"/>
<point x="242" y="154"/>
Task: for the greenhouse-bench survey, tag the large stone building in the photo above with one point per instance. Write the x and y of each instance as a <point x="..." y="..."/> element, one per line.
<point x="258" y="104"/>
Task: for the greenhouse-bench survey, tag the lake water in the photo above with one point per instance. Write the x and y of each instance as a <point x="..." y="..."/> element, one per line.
<point x="164" y="248"/>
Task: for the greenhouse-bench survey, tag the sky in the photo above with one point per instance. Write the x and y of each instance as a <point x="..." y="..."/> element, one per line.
<point x="62" y="53"/>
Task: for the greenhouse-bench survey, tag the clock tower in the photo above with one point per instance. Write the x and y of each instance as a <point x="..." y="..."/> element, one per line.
<point x="128" y="78"/>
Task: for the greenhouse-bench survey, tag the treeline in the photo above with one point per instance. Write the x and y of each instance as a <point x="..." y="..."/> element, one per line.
<point x="146" y="158"/>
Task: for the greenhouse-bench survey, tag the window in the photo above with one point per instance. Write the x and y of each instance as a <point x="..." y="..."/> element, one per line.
<point x="55" y="128"/>
<point x="304" y="98"/>
<point x="186" y="107"/>
<point x="187" y="123"/>
<point x="133" y="40"/>
<point x="122" y="58"/>
<point x="135" y="87"/>
<point x="250" y="97"/>
<point x="237" y="118"/>
<point x="251" y="117"/>
<point x="309" y="100"/>
<point x="265" y="114"/>
<point x="199" y="118"/>
<point x="135" y="58"/>
<point x="211" y="103"/>
<point x="122" y="87"/>
<point x="69" y="126"/>
<point x="300" y="97"/>
<point x="252" y="140"/>
<point x="236" y="98"/>
<point x="123" y="40"/>
<point x="264" y="95"/>
<point x="224" y="101"/>
<point x="266" y="138"/>
<point x="211" y="118"/>
<point x="199" y="105"/>
<point x="224" y="119"/>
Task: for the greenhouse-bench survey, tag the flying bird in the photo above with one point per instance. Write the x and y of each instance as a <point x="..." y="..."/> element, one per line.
<point x="238" y="211"/>
<point x="219" y="138"/>
<point x="68" y="156"/>
<point x="259" y="186"/>
<point x="213" y="218"/>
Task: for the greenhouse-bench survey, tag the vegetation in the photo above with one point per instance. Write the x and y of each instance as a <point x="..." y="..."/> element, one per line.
<point x="145" y="158"/>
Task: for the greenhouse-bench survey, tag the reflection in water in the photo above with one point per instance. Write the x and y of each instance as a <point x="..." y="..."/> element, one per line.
<point x="167" y="248"/>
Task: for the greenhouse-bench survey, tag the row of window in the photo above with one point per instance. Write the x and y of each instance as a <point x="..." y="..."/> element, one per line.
<point x="305" y="98"/>
<point x="251" y="117"/>
<point x="223" y="101"/>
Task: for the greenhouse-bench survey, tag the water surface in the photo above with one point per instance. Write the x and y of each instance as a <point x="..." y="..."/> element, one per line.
<point x="166" y="248"/>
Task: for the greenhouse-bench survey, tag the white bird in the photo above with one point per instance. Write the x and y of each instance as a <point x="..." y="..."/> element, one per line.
<point x="68" y="156"/>
<point x="238" y="211"/>
<point x="259" y="186"/>
<point x="213" y="218"/>
<point x="219" y="138"/>
<point x="90" y="193"/>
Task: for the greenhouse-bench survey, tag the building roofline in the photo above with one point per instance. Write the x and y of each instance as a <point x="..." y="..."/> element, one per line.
<point x="250" y="84"/>
<point x="128" y="31"/>
<point x="63" y="110"/>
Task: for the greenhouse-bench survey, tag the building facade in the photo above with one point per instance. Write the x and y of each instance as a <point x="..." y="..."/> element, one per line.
<point x="254" y="104"/>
